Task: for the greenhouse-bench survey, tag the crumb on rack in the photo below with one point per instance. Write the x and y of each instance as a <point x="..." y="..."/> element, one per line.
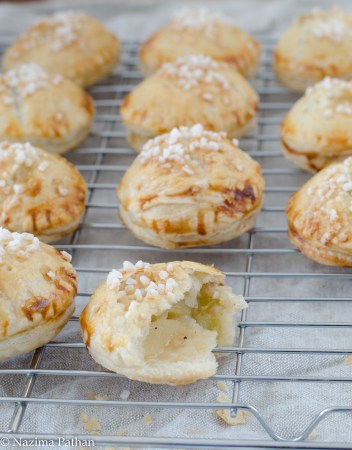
<point x="240" y="419"/>
<point x="313" y="435"/>
<point x="347" y="360"/>
<point x="93" y="396"/>
<point x="148" y="419"/>
<point x="223" y="398"/>
<point x="222" y="386"/>
<point x="90" y="424"/>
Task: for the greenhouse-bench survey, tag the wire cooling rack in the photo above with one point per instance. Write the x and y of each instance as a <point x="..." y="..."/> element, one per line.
<point x="287" y="366"/>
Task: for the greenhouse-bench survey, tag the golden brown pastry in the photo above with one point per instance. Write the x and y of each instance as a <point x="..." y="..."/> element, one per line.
<point x="318" y="128"/>
<point x="199" y="31"/>
<point x="190" y="187"/>
<point x="70" y="43"/>
<point x="48" y="111"/>
<point x="320" y="216"/>
<point x="190" y="90"/>
<point x="40" y="193"/>
<point x="315" y="46"/>
<point x="160" y="322"/>
<point x="38" y="287"/>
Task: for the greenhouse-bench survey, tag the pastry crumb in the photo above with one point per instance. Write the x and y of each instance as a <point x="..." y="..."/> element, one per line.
<point x="223" y="398"/>
<point x="93" y="396"/>
<point x="121" y="433"/>
<point x="313" y="435"/>
<point x="148" y="419"/>
<point x="221" y="386"/>
<point x="347" y="360"/>
<point x="240" y="419"/>
<point x="90" y="424"/>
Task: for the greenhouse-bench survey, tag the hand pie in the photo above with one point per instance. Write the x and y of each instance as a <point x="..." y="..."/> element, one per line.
<point x="190" y="187"/>
<point x="320" y="216"/>
<point x="48" y="111"/>
<point x="315" y="46"/>
<point x="70" y="43"/>
<point x="160" y="322"/>
<point x="40" y="193"/>
<point x="190" y="90"/>
<point x="318" y="128"/>
<point x="199" y="31"/>
<point x="38" y="287"/>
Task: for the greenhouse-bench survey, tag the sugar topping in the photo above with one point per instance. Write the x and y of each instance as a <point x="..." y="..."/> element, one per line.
<point x="334" y="189"/>
<point x="18" y="244"/>
<point x="194" y="71"/>
<point x="332" y="98"/>
<point x="330" y="24"/>
<point x="136" y="282"/>
<point x="199" y="20"/>
<point x="27" y="79"/>
<point x="18" y="156"/>
<point x="176" y="147"/>
<point x="65" y="27"/>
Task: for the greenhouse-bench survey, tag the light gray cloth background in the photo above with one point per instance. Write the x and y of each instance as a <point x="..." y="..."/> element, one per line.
<point x="287" y="406"/>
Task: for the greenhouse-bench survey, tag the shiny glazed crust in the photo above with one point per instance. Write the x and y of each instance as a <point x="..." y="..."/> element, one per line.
<point x="318" y="128"/>
<point x="43" y="194"/>
<point x="226" y="102"/>
<point x="206" y="197"/>
<point x="320" y="216"/>
<point x="70" y="43"/>
<point x="315" y="46"/>
<point x="199" y="32"/>
<point x="36" y="299"/>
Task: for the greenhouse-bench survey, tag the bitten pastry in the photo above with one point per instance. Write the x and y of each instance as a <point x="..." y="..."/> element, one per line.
<point x="192" y="89"/>
<point x="190" y="187"/>
<point x="38" y="287"/>
<point x="48" y="111"/>
<point x="315" y="46"/>
<point x="320" y="216"/>
<point x="318" y="128"/>
<point x="40" y="193"/>
<point x="70" y="43"/>
<point x="160" y="322"/>
<point x="200" y="31"/>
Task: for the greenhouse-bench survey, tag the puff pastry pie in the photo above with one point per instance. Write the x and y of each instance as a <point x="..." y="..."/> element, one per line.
<point x="38" y="287"/>
<point x="160" y="322"/>
<point x="320" y="216"/>
<point x="40" y="193"/>
<point x="200" y="31"/>
<point x="318" y="128"/>
<point x="315" y="46"/>
<point x="190" y="187"/>
<point x="70" y="43"/>
<point x="192" y="89"/>
<point x="49" y="111"/>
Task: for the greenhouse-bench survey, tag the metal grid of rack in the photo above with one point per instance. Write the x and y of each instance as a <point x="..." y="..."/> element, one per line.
<point x="261" y="264"/>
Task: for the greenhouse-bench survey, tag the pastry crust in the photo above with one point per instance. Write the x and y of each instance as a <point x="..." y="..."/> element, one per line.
<point x="201" y="32"/>
<point x="70" y="43"/>
<point x="48" y="111"/>
<point x="318" y="128"/>
<point x="190" y="187"/>
<point x="38" y="287"/>
<point x="40" y="193"/>
<point x="315" y="46"/>
<point x="160" y="322"/>
<point x="320" y="216"/>
<point x="189" y="90"/>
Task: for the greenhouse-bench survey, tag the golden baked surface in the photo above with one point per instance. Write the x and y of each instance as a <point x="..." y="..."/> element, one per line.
<point x="315" y="46"/>
<point x="49" y="111"/>
<point x="40" y="193"/>
<point x="70" y="43"/>
<point x="37" y="290"/>
<point x="318" y="128"/>
<point x="160" y="322"/>
<point x="192" y="89"/>
<point x="190" y="187"/>
<point x="201" y="32"/>
<point x="320" y="216"/>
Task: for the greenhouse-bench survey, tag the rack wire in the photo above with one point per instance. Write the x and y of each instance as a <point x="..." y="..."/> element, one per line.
<point x="281" y="287"/>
